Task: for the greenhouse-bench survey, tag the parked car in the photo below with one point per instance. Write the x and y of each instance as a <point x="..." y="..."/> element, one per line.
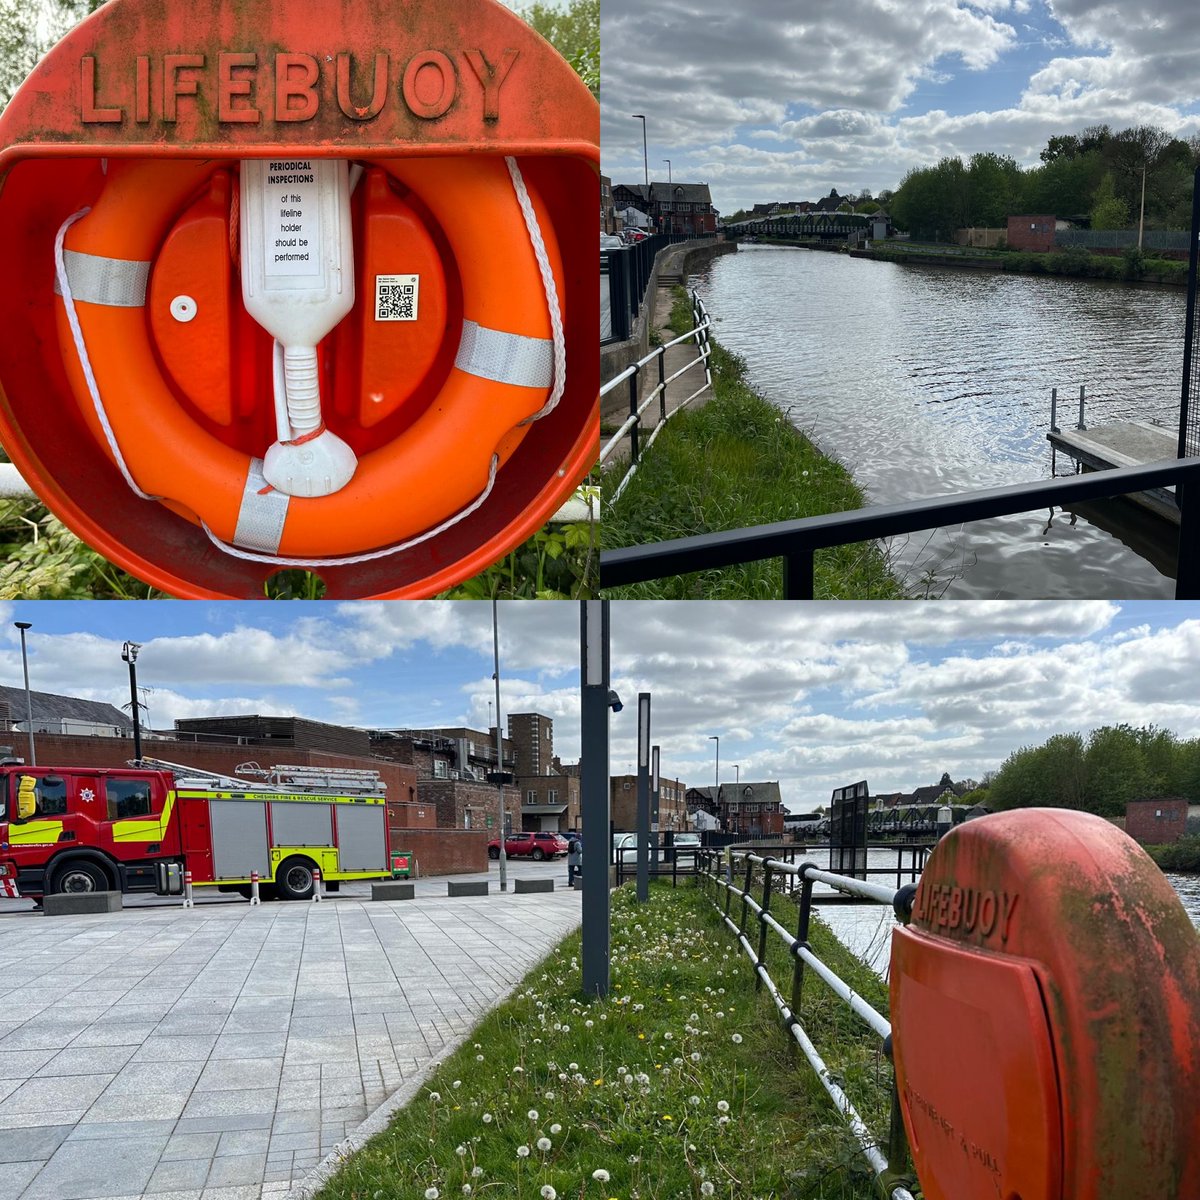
<point x="536" y="845"/>
<point x="687" y="841"/>
<point x="634" y="235"/>
<point x="610" y="241"/>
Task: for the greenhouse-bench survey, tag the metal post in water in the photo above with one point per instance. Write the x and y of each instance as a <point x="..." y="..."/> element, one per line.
<point x="1054" y="410"/>
<point x="1081" y="425"/>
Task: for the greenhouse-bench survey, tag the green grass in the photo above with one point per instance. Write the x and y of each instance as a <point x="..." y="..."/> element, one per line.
<point x="43" y="560"/>
<point x="734" y="463"/>
<point x="679" y="1084"/>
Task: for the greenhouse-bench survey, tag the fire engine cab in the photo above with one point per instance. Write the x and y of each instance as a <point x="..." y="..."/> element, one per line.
<point x="79" y="829"/>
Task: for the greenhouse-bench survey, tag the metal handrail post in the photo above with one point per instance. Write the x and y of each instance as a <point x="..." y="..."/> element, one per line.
<point x="633" y="412"/>
<point x="1187" y="572"/>
<point x="799" y="575"/>
<point x="762" y="926"/>
<point x="662" y="386"/>
<point x="746" y="895"/>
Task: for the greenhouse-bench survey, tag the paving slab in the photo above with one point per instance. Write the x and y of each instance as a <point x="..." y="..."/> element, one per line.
<point x="222" y="1052"/>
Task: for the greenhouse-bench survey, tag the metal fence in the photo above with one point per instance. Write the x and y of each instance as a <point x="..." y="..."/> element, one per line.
<point x="624" y="276"/>
<point x="1121" y="239"/>
<point x="1189" y="409"/>
<point x="889" y="1158"/>
<point x="796" y="542"/>
<point x="632" y="376"/>
<point x="665" y="862"/>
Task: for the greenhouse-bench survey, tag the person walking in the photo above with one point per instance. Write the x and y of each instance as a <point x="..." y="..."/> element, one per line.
<point x="574" y="860"/>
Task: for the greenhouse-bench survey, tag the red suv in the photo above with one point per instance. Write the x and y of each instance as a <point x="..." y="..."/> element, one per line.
<point x="530" y="845"/>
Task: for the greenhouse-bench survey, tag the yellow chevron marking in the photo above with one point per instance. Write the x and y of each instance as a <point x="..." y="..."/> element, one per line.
<point x="145" y="829"/>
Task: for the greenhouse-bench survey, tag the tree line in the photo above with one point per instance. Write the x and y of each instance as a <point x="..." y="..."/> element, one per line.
<point x="1094" y="177"/>
<point x="1098" y="773"/>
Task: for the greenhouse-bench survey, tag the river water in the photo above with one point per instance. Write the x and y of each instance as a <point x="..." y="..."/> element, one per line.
<point x="927" y="380"/>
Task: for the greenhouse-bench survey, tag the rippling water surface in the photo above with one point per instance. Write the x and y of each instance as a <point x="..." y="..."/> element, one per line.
<point x="926" y="381"/>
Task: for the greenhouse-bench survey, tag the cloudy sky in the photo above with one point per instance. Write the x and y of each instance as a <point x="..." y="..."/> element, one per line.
<point x="813" y="695"/>
<point x="785" y="99"/>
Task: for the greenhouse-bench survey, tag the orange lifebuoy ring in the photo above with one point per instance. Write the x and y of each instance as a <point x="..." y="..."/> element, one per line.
<point x="439" y="466"/>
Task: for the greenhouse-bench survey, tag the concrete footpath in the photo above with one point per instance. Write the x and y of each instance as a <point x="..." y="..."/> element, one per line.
<point x="222" y="1052"/>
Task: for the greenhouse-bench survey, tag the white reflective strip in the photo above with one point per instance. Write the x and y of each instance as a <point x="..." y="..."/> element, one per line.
<point x="505" y="357"/>
<point x="263" y="512"/>
<point x="117" y="282"/>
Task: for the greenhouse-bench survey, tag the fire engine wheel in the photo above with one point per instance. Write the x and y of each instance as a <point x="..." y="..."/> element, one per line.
<point x="493" y="852"/>
<point x="80" y="876"/>
<point x="294" y="879"/>
<point x="538" y="854"/>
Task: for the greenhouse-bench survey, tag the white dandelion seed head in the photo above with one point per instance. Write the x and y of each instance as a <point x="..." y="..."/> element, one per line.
<point x="600" y="1175"/>
<point x="522" y="1151"/>
<point x="431" y="1194"/>
<point x="694" y="1101"/>
<point x="548" y="1193"/>
<point x="556" y="1129"/>
<point x="476" y="1172"/>
<point x="532" y="1114"/>
<point x="487" y="1118"/>
<point x="543" y="1144"/>
<point x="460" y="1150"/>
<point x="736" y="1039"/>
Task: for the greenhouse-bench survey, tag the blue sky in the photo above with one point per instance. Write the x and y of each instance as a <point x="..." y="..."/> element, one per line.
<point x="778" y="100"/>
<point x="813" y="695"/>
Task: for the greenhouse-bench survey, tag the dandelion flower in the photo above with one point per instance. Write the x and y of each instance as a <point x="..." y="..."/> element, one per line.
<point x="722" y="1106"/>
<point x="706" y="1188"/>
<point x="476" y="1172"/>
<point x="543" y="1144"/>
<point x="695" y="1056"/>
<point x="532" y="1114"/>
<point x="693" y="1100"/>
<point x="556" y="1129"/>
<point x="466" y="1189"/>
<point x="487" y="1118"/>
<point x="460" y="1150"/>
<point x="522" y="1151"/>
<point x="435" y="1096"/>
<point x="548" y="1193"/>
<point x="431" y="1194"/>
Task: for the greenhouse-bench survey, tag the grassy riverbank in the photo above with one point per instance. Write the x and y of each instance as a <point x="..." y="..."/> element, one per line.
<point x="1183" y="855"/>
<point x="1132" y="266"/>
<point x="678" y="1085"/>
<point x="733" y="463"/>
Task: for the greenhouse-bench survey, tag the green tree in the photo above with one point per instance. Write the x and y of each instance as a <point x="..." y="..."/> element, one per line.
<point x="28" y="30"/>
<point x="575" y="33"/>
<point x="1051" y="775"/>
<point x="1116" y="770"/>
<point x="994" y="183"/>
<point x="1108" y="210"/>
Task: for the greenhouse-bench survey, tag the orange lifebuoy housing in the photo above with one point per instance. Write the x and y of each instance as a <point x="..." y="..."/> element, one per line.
<point x="500" y="378"/>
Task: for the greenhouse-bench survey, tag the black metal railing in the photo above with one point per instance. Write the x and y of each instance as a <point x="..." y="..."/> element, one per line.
<point x="667" y="862"/>
<point x="796" y="542"/>
<point x="631" y="378"/>
<point x="1189" y="405"/>
<point x="627" y="272"/>
<point x="888" y="1158"/>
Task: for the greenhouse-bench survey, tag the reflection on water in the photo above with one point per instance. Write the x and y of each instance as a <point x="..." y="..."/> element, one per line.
<point x="926" y="381"/>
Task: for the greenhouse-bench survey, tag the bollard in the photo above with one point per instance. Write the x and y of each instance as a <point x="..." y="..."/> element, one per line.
<point x="316" y="885"/>
<point x="188" y="900"/>
<point x="254" y="898"/>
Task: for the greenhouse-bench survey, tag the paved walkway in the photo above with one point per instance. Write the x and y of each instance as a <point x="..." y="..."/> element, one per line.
<point x="221" y="1052"/>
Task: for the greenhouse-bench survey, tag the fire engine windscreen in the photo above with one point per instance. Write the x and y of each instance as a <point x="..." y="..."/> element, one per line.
<point x="298" y="283"/>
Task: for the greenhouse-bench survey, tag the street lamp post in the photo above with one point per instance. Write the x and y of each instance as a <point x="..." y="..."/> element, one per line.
<point x="645" y="161"/>
<point x="595" y="702"/>
<point x="643" y="798"/>
<point x="129" y="653"/>
<point x="737" y="774"/>
<point x="499" y="749"/>
<point x="654" y="802"/>
<point x="668" y="162"/>
<point x="22" y="626"/>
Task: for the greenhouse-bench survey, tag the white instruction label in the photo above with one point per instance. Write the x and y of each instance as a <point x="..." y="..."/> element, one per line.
<point x="293" y="224"/>
<point x="396" y="297"/>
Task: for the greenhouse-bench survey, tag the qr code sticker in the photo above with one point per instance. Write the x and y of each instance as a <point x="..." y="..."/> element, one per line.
<point x="396" y="297"/>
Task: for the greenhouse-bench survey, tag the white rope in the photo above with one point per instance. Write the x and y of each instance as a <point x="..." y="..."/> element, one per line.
<point x="64" y="286"/>
<point x="350" y="559"/>
<point x="560" y="378"/>
<point x="550" y="287"/>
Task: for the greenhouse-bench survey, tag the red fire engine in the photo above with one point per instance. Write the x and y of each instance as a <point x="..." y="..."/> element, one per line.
<point x="80" y="829"/>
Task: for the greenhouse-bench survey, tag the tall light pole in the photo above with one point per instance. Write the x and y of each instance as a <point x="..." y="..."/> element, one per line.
<point x="643" y="797"/>
<point x="713" y="737"/>
<point x="645" y="160"/>
<point x="595" y="702"/>
<point x="129" y="653"/>
<point x="654" y="801"/>
<point x="22" y="626"/>
<point x="1142" y="213"/>
<point x="668" y="162"/>
<point x="737" y="774"/>
<point x="500" y="772"/>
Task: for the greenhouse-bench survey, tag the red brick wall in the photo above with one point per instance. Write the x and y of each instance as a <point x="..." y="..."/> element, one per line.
<point x="444" y="851"/>
<point x="64" y="750"/>
<point x="1031" y="233"/>
<point x="1156" y="822"/>
<point x="411" y="816"/>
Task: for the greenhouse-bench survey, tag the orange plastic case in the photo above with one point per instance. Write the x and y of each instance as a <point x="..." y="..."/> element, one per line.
<point x="142" y="114"/>
<point x="1046" y="1017"/>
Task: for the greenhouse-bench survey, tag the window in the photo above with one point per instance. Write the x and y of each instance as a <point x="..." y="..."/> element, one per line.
<point x="553" y="796"/>
<point x="127" y="798"/>
<point x="531" y="797"/>
<point x="49" y="795"/>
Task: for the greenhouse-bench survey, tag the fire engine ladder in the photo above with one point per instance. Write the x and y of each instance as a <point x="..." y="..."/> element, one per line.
<point x="187" y="776"/>
<point x="342" y="781"/>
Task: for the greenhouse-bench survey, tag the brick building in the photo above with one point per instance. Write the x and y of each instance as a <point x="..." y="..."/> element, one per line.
<point x="684" y="208"/>
<point x="750" y="809"/>
<point x="1031" y="233"/>
<point x="672" y="805"/>
<point x="1156" y="822"/>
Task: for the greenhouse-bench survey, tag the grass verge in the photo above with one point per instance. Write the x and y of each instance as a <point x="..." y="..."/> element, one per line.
<point x="678" y="1085"/>
<point x="735" y="463"/>
<point x="1183" y="855"/>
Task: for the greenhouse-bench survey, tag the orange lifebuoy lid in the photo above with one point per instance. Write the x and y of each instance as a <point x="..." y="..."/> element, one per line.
<point x="1046" y="1016"/>
<point x="228" y="81"/>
